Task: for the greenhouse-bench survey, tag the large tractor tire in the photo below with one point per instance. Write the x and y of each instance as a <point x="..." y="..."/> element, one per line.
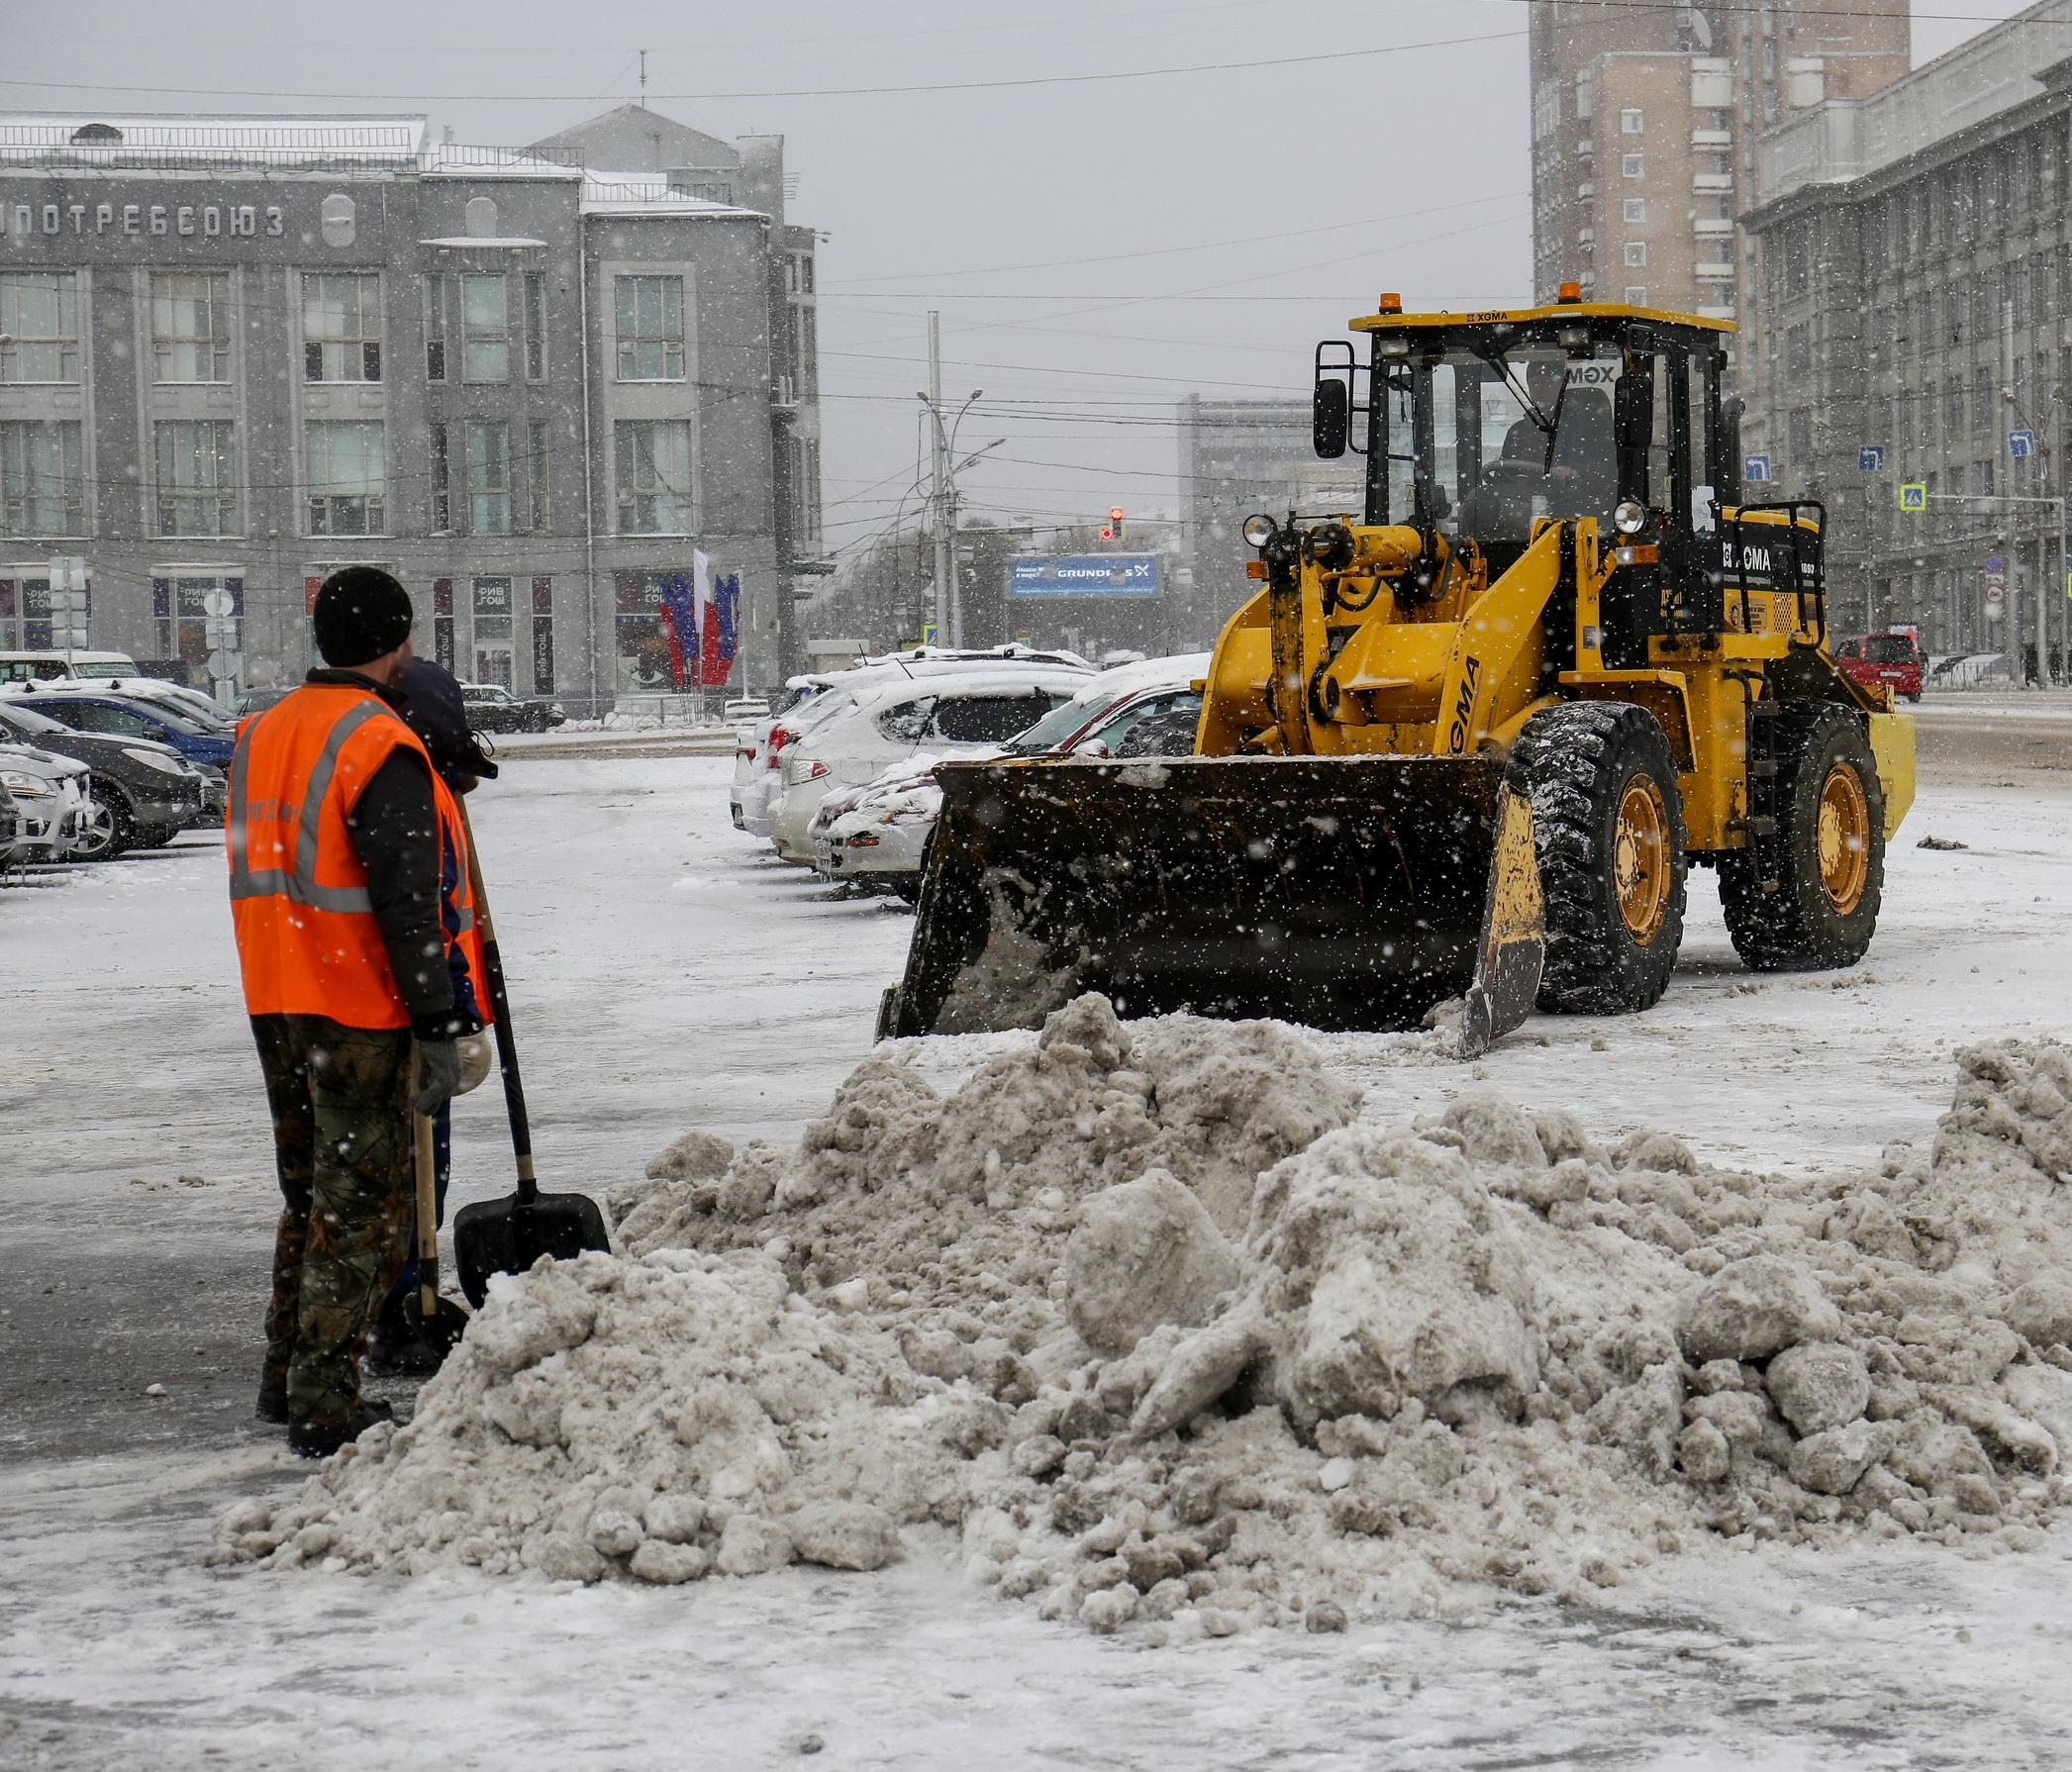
<point x="1609" y="825"/>
<point x="1831" y="835"/>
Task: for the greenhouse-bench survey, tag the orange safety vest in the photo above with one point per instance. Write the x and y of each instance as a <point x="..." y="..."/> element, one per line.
<point x="307" y="939"/>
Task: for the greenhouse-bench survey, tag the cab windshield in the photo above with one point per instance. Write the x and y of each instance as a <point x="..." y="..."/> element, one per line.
<point x="1485" y="445"/>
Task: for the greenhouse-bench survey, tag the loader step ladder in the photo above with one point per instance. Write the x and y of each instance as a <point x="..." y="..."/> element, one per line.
<point x="1763" y="823"/>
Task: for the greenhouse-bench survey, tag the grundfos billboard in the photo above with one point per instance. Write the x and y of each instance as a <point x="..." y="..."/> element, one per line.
<point x="1083" y="576"/>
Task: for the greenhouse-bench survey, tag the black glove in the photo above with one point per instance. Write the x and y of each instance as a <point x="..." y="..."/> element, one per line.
<point x="439" y="1074"/>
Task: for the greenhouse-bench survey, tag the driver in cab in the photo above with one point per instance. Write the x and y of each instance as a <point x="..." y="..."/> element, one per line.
<point x="1566" y="440"/>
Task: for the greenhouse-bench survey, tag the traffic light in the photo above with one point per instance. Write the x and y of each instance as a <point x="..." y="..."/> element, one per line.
<point x="1114" y="531"/>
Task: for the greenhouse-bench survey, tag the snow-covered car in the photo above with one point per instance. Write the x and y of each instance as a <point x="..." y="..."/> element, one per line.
<point x="52" y="798"/>
<point x="958" y="713"/>
<point x="880" y="831"/>
<point x="759" y="750"/>
<point x="491" y="708"/>
<point x="190" y="705"/>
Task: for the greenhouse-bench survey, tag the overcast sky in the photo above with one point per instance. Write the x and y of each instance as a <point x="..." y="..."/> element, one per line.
<point x="1097" y="247"/>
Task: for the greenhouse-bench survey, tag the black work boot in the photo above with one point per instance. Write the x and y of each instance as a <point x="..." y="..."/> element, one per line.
<point x="397" y="1349"/>
<point x="272" y="1406"/>
<point x="319" y="1440"/>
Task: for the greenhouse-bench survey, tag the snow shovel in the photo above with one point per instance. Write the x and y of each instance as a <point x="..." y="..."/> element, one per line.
<point x="434" y="1324"/>
<point x="506" y="1236"/>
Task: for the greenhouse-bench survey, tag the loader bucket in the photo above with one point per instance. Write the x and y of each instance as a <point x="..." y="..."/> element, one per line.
<point x="1340" y="892"/>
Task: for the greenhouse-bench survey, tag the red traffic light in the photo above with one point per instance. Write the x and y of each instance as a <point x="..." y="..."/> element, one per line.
<point x="1115" y="514"/>
<point x="1107" y="534"/>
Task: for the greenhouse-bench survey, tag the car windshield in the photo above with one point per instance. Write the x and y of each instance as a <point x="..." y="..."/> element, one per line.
<point x="1056" y="728"/>
<point x="179" y="722"/>
<point x="27" y="722"/>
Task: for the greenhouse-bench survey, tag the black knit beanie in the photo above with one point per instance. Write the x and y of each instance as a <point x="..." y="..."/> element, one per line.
<point x="362" y="613"/>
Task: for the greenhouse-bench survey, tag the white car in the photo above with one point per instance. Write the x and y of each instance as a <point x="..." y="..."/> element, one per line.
<point x="758" y="751"/>
<point x="961" y="712"/>
<point x="53" y="801"/>
<point x="880" y="832"/>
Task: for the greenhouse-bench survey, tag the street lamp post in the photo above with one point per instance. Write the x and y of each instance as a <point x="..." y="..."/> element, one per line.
<point x="2063" y="578"/>
<point x="950" y="621"/>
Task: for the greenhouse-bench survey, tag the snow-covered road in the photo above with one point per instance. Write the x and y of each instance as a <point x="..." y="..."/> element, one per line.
<point x="668" y="975"/>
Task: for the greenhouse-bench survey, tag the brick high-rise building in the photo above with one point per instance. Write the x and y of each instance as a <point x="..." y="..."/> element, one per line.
<point x="1646" y="119"/>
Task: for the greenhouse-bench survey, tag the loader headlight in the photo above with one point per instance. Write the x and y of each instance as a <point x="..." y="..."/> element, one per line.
<point x="1629" y="517"/>
<point x="1257" y="531"/>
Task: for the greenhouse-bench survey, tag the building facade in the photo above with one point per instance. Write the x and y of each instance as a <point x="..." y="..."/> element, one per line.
<point x="1238" y="456"/>
<point x="1645" y="124"/>
<point x="1918" y="291"/>
<point x="238" y="354"/>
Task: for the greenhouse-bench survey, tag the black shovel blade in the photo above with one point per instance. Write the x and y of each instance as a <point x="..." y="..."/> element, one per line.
<point x="506" y="1236"/>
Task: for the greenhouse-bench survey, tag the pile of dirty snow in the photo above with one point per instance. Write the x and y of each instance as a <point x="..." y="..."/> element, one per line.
<point x="1173" y="1343"/>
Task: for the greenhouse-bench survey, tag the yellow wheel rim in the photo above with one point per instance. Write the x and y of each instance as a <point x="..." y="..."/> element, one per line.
<point x="1640" y="866"/>
<point x="1844" y="838"/>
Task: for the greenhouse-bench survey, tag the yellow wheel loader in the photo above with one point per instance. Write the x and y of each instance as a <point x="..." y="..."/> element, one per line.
<point x="1466" y="744"/>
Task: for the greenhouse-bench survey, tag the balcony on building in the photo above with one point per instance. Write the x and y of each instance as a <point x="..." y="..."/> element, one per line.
<point x="1712" y="138"/>
<point x="1711" y="228"/>
<point x="1712" y="181"/>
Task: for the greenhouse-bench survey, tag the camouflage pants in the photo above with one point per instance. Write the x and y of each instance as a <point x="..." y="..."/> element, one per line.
<point x="341" y="1136"/>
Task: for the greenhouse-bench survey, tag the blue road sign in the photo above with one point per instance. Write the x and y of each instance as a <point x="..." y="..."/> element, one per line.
<point x="2021" y="444"/>
<point x="1083" y="576"/>
<point x="1871" y="458"/>
<point x="1996" y="565"/>
<point x="1914" y="497"/>
<point x="1757" y="467"/>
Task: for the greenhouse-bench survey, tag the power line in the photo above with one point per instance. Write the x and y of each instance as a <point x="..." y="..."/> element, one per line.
<point x="1250" y="65"/>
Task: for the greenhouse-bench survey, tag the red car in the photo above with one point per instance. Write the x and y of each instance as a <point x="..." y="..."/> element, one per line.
<point x="1892" y="659"/>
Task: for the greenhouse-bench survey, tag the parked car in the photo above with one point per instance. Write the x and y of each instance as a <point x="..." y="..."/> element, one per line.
<point x="960" y="713"/>
<point x="880" y="832"/>
<point x="135" y="716"/>
<point x="189" y="704"/>
<point x="144" y="793"/>
<point x="258" y="701"/>
<point x="491" y="708"/>
<point x="1892" y="659"/>
<point x="52" y="798"/>
<point x="758" y="752"/>
<point x="51" y="666"/>
<point x="10" y="832"/>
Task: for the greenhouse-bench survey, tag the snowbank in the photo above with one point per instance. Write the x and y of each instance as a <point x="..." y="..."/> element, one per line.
<point x="1174" y="1345"/>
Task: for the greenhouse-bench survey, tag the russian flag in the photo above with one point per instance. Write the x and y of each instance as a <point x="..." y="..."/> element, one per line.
<point x="679" y="620"/>
<point x="718" y="620"/>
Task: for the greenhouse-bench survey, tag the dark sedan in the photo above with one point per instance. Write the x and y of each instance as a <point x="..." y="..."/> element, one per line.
<point x="491" y="708"/>
<point x="144" y="791"/>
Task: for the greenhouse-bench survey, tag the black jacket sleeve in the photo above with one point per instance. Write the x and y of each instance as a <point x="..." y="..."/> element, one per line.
<point x="395" y="834"/>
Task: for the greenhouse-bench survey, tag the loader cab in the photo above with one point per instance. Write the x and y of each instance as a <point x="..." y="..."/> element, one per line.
<point x="1481" y="427"/>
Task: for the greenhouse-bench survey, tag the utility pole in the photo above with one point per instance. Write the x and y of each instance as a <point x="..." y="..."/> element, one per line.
<point x="940" y="498"/>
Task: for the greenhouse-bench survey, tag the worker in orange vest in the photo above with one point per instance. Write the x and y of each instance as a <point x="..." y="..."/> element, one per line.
<point x="338" y="828"/>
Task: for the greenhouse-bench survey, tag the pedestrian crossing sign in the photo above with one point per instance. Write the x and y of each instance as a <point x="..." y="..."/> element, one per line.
<point x="1914" y="498"/>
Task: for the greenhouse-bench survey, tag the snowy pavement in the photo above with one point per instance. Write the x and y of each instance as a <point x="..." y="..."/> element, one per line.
<point x="667" y="974"/>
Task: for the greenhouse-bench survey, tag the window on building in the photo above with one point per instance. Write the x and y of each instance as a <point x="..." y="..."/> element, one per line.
<point x="1630" y="122"/>
<point x="1982" y="479"/>
<point x="443" y="651"/>
<point x="1985" y="412"/>
<point x="536" y="482"/>
<point x="346" y="465"/>
<point x="42" y="481"/>
<point x="1635" y="209"/>
<point x="485" y="312"/>
<point x="441" y="483"/>
<point x="342" y="326"/>
<point x="543" y="637"/>
<point x="1798" y="349"/>
<point x="651" y="328"/>
<point x="197" y="477"/>
<point x="489" y="477"/>
<point x="1630" y="166"/>
<point x="1954" y="315"/>
<point x="1952" y="410"/>
<point x="1636" y="295"/>
<point x="654" y="460"/>
<point x="1637" y="252"/>
<point x="492" y="633"/>
<point x="643" y="643"/>
<point x="434" y="329"/>
<point x="2018" y="292"/>
<point x="39" y="326"/>
<point x="536" y="326"/>
<point x="1800" y="429"/>
<point x="192" y="627"/>
<point x="2042" y="288"/>
<point x="190" y="325"/>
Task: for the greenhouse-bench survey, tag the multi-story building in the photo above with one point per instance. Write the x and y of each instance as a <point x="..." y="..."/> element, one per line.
<point x="1918" y="293"/>
<point x="1238" y="456"/>
<point x="1645" y="121"/>
<point x="238" y="353"/>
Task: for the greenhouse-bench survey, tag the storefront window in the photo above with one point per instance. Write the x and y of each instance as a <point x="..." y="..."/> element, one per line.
<point x="643" y="641"/>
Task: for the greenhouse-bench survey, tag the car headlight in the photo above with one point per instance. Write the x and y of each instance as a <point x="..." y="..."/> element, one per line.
<point x="1258" y="530"/>
<point x="28" y="786"/>
<point x="1629" y="517"/>
<point x="150" y="760"/>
